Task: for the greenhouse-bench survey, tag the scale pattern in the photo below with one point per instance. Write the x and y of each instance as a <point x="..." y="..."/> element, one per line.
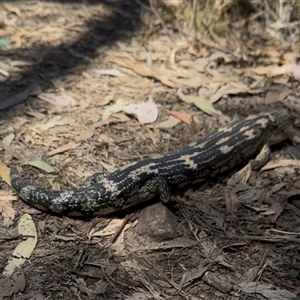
<point x="212" y="155"/>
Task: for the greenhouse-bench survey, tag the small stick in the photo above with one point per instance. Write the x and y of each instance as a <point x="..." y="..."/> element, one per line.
<point x="127" y="219"/>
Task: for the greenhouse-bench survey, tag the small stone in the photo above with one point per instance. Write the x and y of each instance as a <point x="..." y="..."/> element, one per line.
<point x="158" y="222"/>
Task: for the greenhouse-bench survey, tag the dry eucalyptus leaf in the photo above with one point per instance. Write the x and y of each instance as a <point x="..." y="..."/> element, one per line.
<point x="57" y="99"/>
<point x="8" y="139"/>
<point x="146" y="112"/>
<point x="281" y="163"/>
<point x="54" y="122"/>
<point x="271" y="70"/>
<point x="66" y="147"/>
<point x="184" y="117"/>
<point x="142" y="70"/>
<point x="85" y="135"/>
<point x="110" y="229"/>
<point x="170" y="123"/>
<point x="24" y="249"/>
<point x="5" y="173"/>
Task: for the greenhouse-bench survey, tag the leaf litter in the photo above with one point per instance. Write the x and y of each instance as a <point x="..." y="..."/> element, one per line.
<point x="79" y="125"/>
<point x="24" y="249"/>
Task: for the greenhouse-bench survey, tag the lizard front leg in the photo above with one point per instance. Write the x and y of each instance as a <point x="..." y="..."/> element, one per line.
<point x="156" y="186"/>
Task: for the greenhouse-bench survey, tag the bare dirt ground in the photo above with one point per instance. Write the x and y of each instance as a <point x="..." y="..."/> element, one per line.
<point x="79" y="67"/>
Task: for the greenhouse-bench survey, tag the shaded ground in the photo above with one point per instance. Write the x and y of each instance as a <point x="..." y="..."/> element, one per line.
<point x="226" y="247"/>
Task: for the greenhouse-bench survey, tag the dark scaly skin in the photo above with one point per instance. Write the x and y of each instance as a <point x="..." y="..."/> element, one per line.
<point x="212" y="155"/>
